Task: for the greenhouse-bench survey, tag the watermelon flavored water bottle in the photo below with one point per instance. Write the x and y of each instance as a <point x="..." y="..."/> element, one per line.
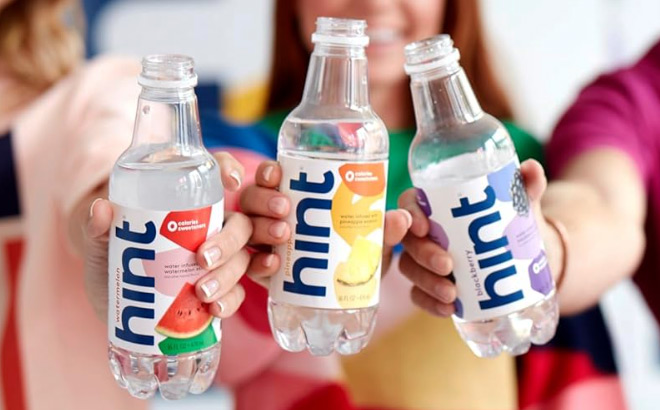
<point x="167" y="199"/>
<point x="333" y="150"/>
<point x="466" y="171"/>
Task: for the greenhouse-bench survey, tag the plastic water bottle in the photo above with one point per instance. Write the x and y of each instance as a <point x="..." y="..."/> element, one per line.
<point x="167" y="199"/>
<point x="466" y="171"/>
<point x="333" y="150"/>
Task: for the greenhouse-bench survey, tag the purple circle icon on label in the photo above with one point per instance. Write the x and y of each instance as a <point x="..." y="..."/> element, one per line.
<point x="539" y="274"/>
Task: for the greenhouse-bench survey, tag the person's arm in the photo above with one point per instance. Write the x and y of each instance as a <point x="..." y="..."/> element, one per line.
<point x="602" y="156"/>
<point x="600" y="199"/>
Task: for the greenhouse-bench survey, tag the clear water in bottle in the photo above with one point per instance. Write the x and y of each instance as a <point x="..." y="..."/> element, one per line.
<point x="167" y="197"/>
<point x="465" y="168"/>
<point x="333" y="151"/>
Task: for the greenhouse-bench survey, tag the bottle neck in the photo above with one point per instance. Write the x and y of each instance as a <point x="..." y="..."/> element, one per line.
<point x="168" y="117"/>
<point x="337" y="76"/>
<point x="444" y="98"/>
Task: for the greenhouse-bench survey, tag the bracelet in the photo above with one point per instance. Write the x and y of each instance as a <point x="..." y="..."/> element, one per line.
<point x="563" y="239"/>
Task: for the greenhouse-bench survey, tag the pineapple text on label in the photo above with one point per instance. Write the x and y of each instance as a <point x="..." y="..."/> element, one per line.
<point x="333" y="257"/>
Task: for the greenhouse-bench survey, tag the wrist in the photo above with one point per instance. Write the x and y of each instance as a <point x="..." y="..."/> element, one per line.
<point x="556" y="241"/>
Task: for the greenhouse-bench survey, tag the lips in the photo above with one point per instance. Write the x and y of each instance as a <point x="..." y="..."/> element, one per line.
<point x="384" y="36"/>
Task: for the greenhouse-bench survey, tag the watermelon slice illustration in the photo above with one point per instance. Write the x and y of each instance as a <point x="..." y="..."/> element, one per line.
<point x="186" y="317"/>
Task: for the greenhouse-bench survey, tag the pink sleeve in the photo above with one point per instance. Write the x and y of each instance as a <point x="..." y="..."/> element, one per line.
<point x="66" y="143"/>
<point x="617" y="111"/>
<point x="76" y="131"/>
<point x="69" y="139"/>
<point x="100" y="118"/>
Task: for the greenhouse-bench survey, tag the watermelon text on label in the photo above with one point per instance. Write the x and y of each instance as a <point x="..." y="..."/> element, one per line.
<point x="152" y="267"/>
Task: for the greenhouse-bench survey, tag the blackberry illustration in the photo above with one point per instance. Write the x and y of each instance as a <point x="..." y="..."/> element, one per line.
<point x="518" y="194"/>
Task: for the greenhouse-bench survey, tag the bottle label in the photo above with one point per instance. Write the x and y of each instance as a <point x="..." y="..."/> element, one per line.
<point x="333" y="258"/>
<point x="153" y="308"/>
<point x="487" y="225"/>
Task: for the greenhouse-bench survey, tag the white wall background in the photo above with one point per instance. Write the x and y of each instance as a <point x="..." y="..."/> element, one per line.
<point x="229" y="39"/>
<point x="546" y="50"/>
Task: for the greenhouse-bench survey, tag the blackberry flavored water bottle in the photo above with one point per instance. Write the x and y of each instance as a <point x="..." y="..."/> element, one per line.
<point x="333" y="150"/>
<point x="466" y="171"/>
<point x="167" y="199"/>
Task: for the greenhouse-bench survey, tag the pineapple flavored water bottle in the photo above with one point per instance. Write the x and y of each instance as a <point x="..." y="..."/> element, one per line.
<point x="333" y="150"/>
<point x="466" y="171"/>
<point x="167" y="199"/>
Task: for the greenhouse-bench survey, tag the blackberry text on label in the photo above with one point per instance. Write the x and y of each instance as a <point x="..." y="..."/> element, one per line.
<point x="499" y="266"/>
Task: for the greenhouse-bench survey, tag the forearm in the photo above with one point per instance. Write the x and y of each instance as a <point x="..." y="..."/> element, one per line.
<point x="604" y="244"/>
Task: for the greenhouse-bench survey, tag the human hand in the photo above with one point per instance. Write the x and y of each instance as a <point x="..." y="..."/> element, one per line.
<point x="224" y="254"/>
<point x="428" y="265"/>
<point x="267" y="208"/>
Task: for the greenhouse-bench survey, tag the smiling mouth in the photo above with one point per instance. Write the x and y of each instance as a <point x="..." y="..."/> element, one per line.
<point x="383" y="36"/>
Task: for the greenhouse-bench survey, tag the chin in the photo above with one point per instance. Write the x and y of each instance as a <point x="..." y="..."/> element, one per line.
<point x="389" y="74"/>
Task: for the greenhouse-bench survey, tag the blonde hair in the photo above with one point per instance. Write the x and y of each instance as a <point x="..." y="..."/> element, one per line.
<point x="37" y="46"/>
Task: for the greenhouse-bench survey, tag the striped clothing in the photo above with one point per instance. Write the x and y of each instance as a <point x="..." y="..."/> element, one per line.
<point x="11" y="248"/>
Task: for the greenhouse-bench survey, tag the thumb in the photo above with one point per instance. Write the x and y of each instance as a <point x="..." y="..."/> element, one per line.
<point x="397" y="223"/>
<point x="534" y="178"/>
<point x="100" y="219"/>
<point x="96" y="256"/>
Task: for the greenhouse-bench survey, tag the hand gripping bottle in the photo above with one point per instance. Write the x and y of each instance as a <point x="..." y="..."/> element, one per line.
<point x="333" y="150"/>
<point x="167" y="199"/>
<point x="466" y="171"/>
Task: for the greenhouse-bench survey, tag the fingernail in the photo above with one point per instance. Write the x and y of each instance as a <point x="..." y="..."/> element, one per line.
<point x="268" y="260"/>
<point x="212" y="255"/>
<point x="444" y="293"/>
<point x="237" y="177"/>
<point x="439" y="264"/>
<point x="278" y="229"/>
<point x="445" y="310"/>
<point x="91" y="208"/>
<point x="267" y="172"/>
<point x="277" y="205"/>
<point x="408" y="215"/>
<point x="221" y="306"/>
<point x="210" y="287"/>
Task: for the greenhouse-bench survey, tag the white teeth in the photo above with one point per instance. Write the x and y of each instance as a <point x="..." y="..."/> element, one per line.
<point x="383" y="35"/>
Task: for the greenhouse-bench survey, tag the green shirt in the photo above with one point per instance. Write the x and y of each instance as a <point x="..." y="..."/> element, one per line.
<point x="398" y="176"/>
